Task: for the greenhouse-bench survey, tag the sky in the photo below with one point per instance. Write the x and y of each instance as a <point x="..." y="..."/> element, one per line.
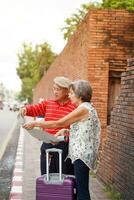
<point x="30" y="21"/>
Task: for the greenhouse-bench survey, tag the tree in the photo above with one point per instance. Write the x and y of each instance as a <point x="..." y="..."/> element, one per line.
<point x="117" y="4"/>
<point x="44" y="58"/>
<point x="33" y="61"/>
<point x="73" y="21"/>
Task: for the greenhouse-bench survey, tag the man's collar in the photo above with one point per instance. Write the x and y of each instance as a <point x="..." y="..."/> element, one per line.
<point x="63" y="103"/>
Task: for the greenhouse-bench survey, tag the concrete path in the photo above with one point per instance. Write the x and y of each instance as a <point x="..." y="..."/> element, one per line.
<point x="27" y="170"/>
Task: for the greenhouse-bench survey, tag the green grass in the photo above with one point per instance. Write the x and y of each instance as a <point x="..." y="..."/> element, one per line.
<point x="112" y="193"/>
<point x="92" y="173"/>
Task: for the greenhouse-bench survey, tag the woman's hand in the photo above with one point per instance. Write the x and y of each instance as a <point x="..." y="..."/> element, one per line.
<point x="62" y="132"/>
<point x="29" y="125"/>
<point x="59" y="133"/>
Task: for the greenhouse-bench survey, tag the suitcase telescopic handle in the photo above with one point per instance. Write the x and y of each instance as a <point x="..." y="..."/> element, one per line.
<point x="59" y="151"/>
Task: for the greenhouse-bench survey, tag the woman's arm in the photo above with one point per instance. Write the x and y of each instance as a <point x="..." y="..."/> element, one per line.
<point x="76" y="115"/>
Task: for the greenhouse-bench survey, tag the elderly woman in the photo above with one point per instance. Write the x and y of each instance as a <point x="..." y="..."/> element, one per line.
<point x="84" y="134"/>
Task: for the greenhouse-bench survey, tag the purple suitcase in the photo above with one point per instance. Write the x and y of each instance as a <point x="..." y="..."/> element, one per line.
<point x="55" y="186"/>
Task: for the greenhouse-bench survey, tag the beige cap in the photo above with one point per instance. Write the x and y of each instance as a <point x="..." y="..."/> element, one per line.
<point x="62" y="81"/>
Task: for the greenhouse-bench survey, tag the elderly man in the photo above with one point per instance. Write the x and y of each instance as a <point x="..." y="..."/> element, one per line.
<point x="54" y="109"/>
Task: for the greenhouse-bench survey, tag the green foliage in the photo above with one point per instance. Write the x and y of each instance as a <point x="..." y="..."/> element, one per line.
<point x="119" y="4"/>
<point x="33" y="61"/>
<point x="112" y="193"/>
<point x="73" y="21"/>
<point x="45" y="58"/>
<point x="92" y="173"/>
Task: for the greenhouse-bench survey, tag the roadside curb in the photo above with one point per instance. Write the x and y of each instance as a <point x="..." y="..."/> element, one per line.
<point x="17" y="178"/>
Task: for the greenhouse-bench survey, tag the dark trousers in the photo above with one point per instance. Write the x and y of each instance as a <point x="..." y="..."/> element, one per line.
<point x="67" y="166"/>
<point x="81" y="172"/>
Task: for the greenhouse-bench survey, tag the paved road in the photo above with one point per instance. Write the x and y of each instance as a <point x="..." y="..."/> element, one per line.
<point x="9" y="133"/>
<point x="7" y="122"/>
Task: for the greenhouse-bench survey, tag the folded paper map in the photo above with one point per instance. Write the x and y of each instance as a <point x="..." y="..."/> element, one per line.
<point x="39" y="133"/>
<point x="44" y="136"/>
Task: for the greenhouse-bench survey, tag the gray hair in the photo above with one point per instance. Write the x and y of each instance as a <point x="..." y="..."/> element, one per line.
<point x="62" y="81"/>
<point x="82" y="89"/>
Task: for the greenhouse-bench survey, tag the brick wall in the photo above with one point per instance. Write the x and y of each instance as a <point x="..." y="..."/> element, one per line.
<point x="102" y="42"/>
<point x="117" y="160"/>
<point x="111" y="36"/>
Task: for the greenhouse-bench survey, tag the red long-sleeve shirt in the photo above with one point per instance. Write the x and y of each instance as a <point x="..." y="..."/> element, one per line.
<point x="51" y="110"/>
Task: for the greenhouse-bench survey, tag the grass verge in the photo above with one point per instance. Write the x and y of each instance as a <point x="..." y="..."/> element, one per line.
<point x="111" y="192"/>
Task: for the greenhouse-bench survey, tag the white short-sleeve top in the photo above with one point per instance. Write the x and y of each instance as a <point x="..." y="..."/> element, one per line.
<point x="84" y="137"/>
